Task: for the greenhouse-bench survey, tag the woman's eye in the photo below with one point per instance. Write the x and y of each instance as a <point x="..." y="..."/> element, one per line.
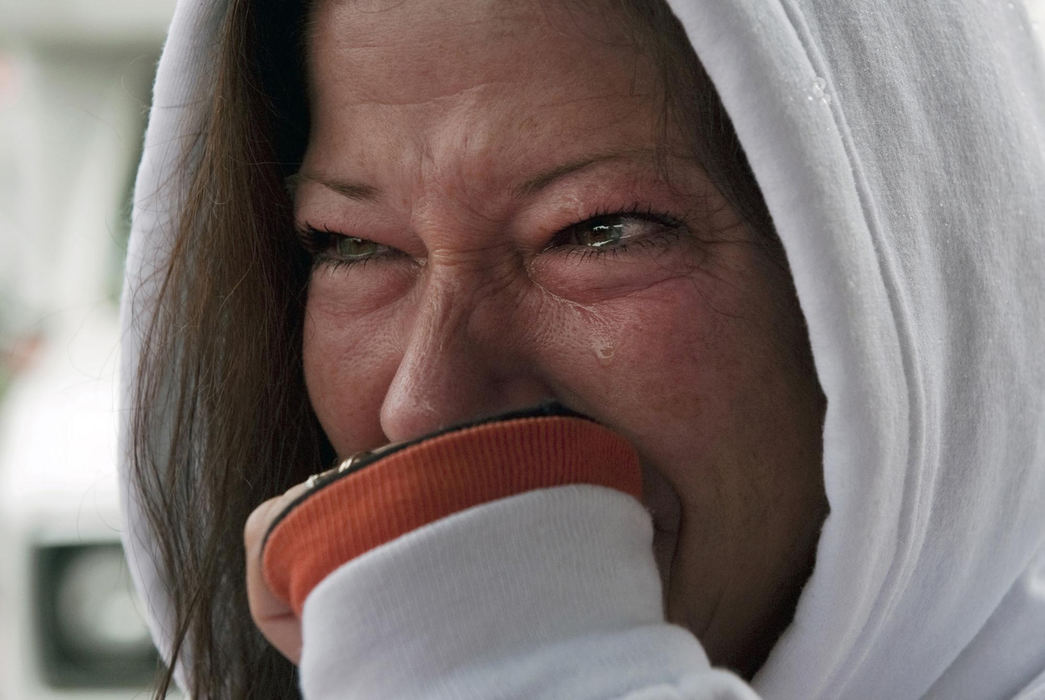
<point x="615" y="231"/>
<point x="328" y="247"/>
<point x="352" y="248"/>
<point x="599" y="233"/>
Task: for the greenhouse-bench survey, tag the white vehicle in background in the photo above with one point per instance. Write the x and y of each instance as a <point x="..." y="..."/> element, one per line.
<point x="74" y="89"/>
<point x="72" y="626"/>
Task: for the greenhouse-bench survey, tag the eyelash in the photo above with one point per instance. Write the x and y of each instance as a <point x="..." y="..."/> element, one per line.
<point x="317" y="242"/>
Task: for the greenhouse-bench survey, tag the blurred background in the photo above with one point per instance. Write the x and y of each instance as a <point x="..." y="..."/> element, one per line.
<point x="75" y="82"/>
<point x="75" y="79"/>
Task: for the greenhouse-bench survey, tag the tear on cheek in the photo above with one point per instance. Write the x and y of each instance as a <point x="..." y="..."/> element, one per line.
<point x="604" y="349"/>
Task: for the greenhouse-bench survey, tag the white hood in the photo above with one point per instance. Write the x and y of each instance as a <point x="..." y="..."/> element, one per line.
<point x="901" y="151"/>
<point x="900" y="148"/>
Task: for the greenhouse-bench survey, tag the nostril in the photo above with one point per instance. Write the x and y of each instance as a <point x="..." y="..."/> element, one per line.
<point x="417" y="421"/>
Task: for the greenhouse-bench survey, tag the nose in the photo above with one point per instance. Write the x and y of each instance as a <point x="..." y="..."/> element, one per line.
<point x="462" y="360"/>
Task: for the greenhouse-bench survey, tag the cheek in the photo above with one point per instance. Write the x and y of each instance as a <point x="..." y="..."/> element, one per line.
<point x="691" y="372"/>
<point x="655" y="366"/>
<point x="349" y="360"/>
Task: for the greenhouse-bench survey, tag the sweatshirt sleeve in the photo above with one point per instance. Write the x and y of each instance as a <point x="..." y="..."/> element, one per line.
<point x="548" y="592"/>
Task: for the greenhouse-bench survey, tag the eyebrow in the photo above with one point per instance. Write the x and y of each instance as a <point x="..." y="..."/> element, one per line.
<point x="351" y="189"/>
<point x="538" y="183"/>
<point x="362" y="192"/>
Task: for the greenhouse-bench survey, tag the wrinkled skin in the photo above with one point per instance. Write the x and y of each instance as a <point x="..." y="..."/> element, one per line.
<point x="459" y="142"/>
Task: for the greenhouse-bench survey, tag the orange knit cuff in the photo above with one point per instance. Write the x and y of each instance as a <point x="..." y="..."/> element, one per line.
<point x="432" y="479"/>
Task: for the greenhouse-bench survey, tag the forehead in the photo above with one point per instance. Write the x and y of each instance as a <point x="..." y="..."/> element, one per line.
<point x="472" y="90"/>
<point x="407" y="51"/>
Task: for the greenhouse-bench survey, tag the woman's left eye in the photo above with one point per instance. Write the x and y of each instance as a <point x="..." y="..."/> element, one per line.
<point x="614" y="232"/>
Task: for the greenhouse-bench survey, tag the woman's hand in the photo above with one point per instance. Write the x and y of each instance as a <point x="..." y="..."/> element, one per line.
<point x="272" y="615"/>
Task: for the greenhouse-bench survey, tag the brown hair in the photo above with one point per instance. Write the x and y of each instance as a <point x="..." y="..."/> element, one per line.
<point x="222" y="420"/>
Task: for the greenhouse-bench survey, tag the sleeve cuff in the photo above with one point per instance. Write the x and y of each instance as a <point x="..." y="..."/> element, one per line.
<point x="435" y="478"/>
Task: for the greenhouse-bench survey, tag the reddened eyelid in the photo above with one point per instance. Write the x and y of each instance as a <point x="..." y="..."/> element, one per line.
<point x="638" y="209"/>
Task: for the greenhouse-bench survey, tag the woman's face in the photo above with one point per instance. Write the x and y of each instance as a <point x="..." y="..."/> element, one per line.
<point x="493" y="227"/>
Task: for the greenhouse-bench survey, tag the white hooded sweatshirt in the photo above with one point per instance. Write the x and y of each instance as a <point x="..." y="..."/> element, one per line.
<point x="900" y="148"/>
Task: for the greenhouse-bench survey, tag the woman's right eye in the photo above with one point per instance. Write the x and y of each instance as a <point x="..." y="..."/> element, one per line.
<point x="328" y="247"/>
<point x="353" y="248"/>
